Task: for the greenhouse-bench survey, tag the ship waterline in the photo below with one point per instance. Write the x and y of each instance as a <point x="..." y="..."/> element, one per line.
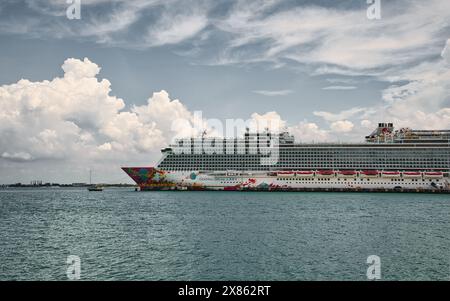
<point x="402" y="160"/>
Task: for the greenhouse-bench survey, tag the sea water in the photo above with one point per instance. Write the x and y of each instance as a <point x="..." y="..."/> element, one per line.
<point x="120" y="234"/>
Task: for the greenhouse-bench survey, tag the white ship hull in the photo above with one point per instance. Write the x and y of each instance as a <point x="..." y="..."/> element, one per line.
<point x="168" y="180"/>
<point x="320" y="181"/>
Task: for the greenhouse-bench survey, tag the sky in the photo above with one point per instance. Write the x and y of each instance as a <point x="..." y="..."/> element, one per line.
<point x="105" y="90"/>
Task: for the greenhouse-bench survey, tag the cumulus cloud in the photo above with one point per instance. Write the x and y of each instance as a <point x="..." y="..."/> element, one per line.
<point x="162" y="110"/>
<point x="309" y="132"/>
<point x="341" y="126"/>
<point x="270" y="120"/>
<point x="366" y="123"/>
<point x="77" y="69"/>
<point x="75" y="116"/>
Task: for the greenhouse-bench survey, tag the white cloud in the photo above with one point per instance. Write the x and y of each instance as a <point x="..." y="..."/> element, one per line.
<point x="175" y="29"/>
<point x="327" y="36"/>
<point x="74" y="116"/>
<point x="423" y="102"/>
<point x="339" y="88"/>
<point x="367" y="124"/>
<point x="446" y="51"/>
<point x="20" y="156"/>
<point x="341" y="115"/>
<point x="341" y="126"/>
<point x="77" y="69"/>
<point x="113" y="22"/>
<point x="309" y="132"/>
<point x="255" y="31"/>
<point x="105" y="147"/>
<point x="270" y="120"/>
<point x="273" y="92"/>
<point x="342" y="80"/>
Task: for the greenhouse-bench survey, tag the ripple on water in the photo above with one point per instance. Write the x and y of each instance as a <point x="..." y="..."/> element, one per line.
<point x="124" y="235"/>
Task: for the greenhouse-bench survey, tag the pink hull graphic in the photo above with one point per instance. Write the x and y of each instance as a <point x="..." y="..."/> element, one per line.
<point x="150" y="178"/>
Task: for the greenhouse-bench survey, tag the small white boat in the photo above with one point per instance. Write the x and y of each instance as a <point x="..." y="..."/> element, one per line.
<point x="93" y="187"/>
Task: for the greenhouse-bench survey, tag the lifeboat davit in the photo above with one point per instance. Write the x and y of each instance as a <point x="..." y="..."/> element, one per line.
<point x="369" y="173"/>
<point x="347" y="174"/>
<point x="285" y="174"/>
<point x="433" y="175"/>
<point x="412" y="174"/>
<point x="390" y="174"/>
<point x="325" y="173"/>
<point x="305" y="173"/>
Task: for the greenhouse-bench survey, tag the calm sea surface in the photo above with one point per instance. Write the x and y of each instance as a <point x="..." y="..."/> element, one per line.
<point x="125" y="235"/>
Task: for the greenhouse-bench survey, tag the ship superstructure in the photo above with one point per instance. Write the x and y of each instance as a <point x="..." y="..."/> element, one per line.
<point x="402" y="159"/>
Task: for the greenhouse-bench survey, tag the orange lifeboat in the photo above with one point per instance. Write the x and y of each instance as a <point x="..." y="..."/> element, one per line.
<point x="325" y="173"/>
<point x="412" y="174"/>
<point x="390" y="174"/>
<point x="285" y="174"/>
<point x="433" y="175"/>
<point x="305" y="173"/>
<point x="369" y="173"/>
<point x="347" y="174"/>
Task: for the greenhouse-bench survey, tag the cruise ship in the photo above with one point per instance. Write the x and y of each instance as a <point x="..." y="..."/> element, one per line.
<point x="388" y="160"/>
